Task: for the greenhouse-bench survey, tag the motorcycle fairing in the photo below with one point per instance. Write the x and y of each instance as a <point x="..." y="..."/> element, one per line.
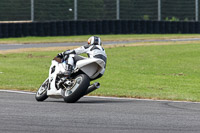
<point x="59" y="67"/>
<point x="91" y="66"/>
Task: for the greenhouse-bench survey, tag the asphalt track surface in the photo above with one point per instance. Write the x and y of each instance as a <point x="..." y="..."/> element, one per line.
<point x="21" y="113"/>
<point x="18" y="46"/>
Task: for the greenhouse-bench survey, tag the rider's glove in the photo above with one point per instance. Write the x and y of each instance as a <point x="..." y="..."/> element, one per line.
<point x="65" y="54"/>
<point x="60" y="55"/>
<point x="65" y="57"/>
<point x="69" y="52"/>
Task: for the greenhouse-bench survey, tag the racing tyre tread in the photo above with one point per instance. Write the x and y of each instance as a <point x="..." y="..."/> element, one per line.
<point x="80" y="91"/>
<point x="42" y="97"/>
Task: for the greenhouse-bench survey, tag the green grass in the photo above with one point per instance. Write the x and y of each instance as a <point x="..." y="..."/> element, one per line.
<point x="83" y="38"/>
<point x="157" y="72"/>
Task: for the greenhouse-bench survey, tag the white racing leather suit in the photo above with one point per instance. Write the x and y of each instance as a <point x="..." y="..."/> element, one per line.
<point x="93" y="51"/>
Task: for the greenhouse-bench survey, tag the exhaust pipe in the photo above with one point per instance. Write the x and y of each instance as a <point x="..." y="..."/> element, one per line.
<point x="92" y="87"/>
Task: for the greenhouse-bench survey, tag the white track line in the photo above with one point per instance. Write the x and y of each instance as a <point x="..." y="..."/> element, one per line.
<point x="136" y="99"/>
<point x="19" y="92"/>
<point x="102" y="97"/>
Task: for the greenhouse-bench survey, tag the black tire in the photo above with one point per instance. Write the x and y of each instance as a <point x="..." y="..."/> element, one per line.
<point x="78" y="90"/>
<point x="41" y="94"/>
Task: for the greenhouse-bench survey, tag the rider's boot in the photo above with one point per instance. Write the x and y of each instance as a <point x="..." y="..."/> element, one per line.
<point x="69" y="70"/>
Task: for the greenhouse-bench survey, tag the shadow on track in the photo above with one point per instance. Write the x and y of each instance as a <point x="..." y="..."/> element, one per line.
<point x="96" y="101"/>
<point x="103" y="101"/>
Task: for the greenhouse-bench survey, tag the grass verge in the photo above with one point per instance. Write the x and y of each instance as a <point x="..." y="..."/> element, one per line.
<point x="83" y="38"/>
<point x="155" y="72"/>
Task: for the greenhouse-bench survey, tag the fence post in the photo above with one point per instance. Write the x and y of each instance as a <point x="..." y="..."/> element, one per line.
<point x="32" y="10"/>
<point x="118" y="9"/>
<point x="197" y="10"/>
<point x="159" y="10"/>
<point x="75" y="10"/>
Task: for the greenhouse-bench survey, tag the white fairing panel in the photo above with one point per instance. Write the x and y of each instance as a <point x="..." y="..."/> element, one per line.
<point x="59" y="67"/>
<point x="91" y="66"/>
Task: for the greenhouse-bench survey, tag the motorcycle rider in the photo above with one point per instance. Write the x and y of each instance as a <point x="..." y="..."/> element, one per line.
<point x="93" y="49"/>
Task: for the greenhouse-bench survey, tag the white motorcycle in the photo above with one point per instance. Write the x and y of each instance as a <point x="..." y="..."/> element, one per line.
<point x="72" y="88"/>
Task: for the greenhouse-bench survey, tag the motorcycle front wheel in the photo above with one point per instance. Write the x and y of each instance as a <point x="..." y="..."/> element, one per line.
<point x="78" y="90"/>
<point x="41" y="94"/>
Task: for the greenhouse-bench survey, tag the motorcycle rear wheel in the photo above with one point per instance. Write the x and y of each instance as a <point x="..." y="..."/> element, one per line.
<point x="41" y="94"/>
<point x="78" y="90"/>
